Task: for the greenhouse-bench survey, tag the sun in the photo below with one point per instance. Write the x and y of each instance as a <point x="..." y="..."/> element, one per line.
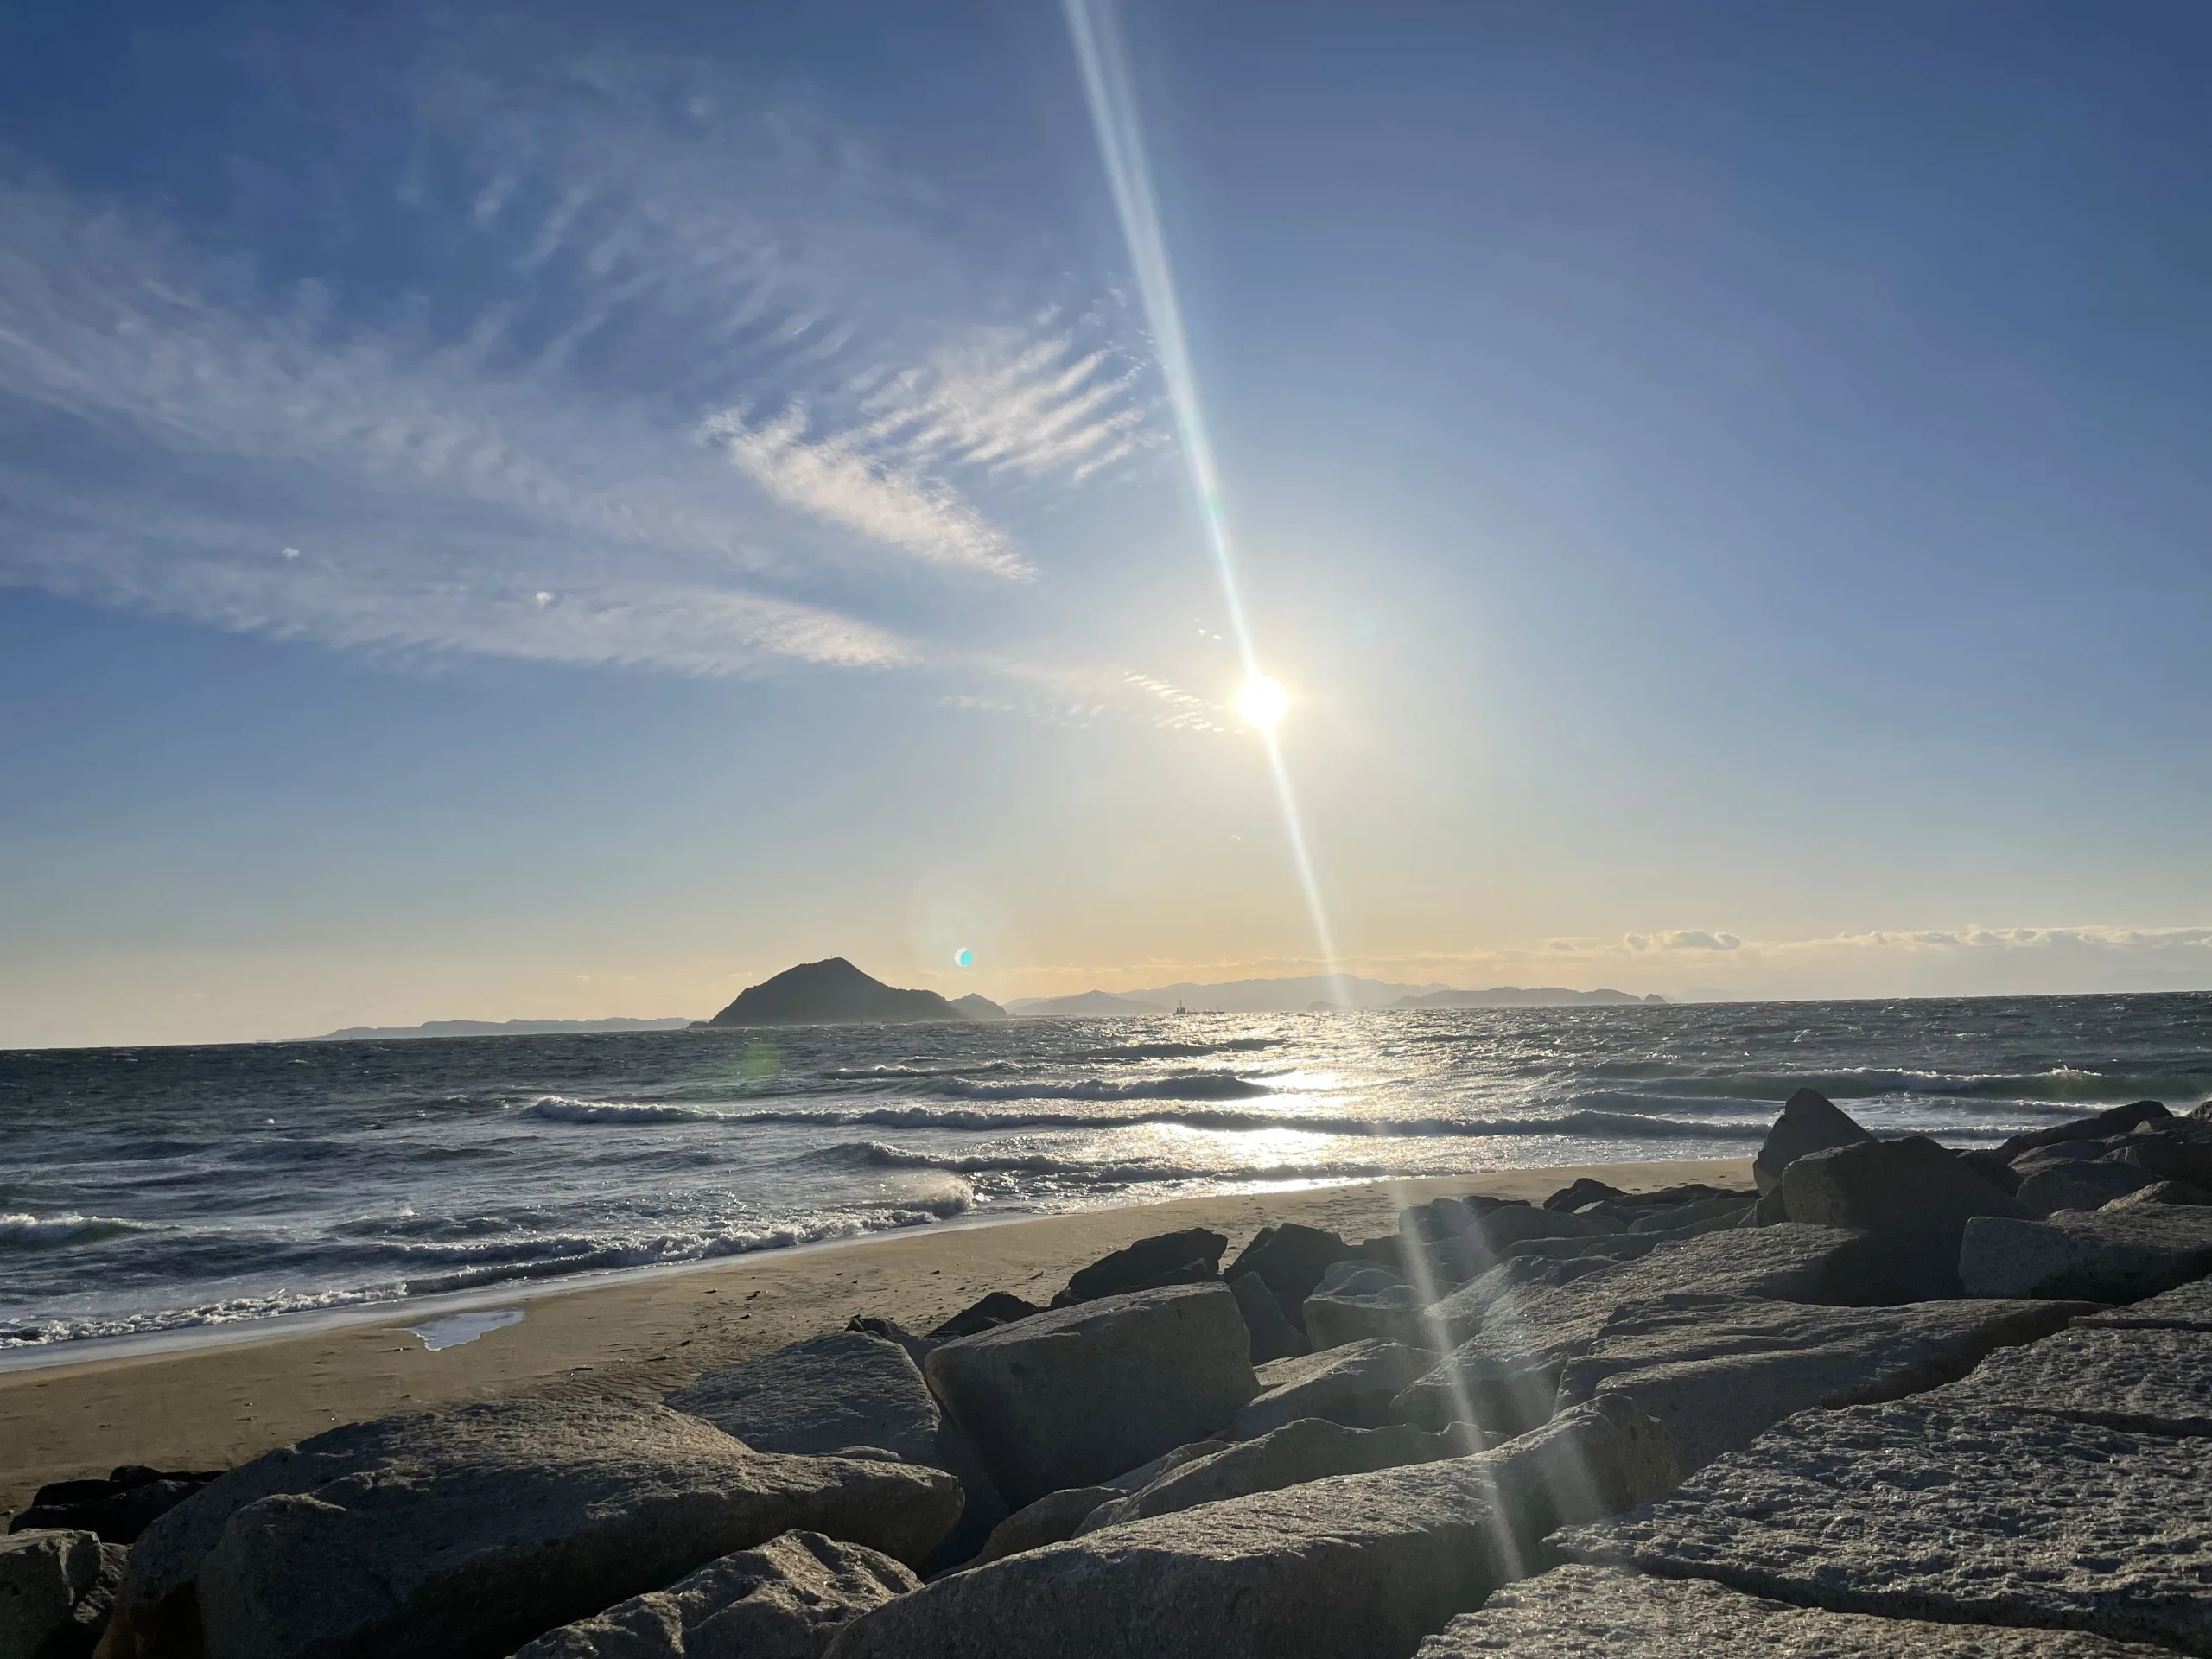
<point x="1260" y="701"/>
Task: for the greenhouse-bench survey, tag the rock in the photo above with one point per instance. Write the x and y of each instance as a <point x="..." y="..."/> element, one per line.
<point x="2089" y="1185"/>
<point x="2161" y="1193"/>
<point x="2061" y="1152"/>
<point x="117" y="1510"/>
<point x="2188" y="1307"/>
<point x="2181" y="1151"/>
<point x="1724" y="1212"/>
<point x="1368" y="1309"/>
<point x="1355" y="1567"/>
<point x="849" y="1389"/>
<point x="2148" y="1381"/>
<point x="1992" y="1168"/>
<point x="995" y="1310"/>
<point x="1599" y="1613"/>
<point x="918" y="1348"/>
<point x="1069" y="1397"/>
<point x="1583" y="1190"/>
<point x="1353" y="1384"/>
<point x="831" y="993"/>
<point x="1309" y="1449"/>
<point x="1718" y="1372"/>
<point x="1273" y="1336"/>
<point x="462" y="1535"/>
<point x="1910" y="1511"/>
<point x="56" y="1587"/>
<point x="1052" y="1519"/>
<point x="1291" y="1260"/>
<point x="783" y="1600"/>
<point x="1190" y="1257"/>
<point x="1810" y="1122"/>
<point x="2108" y="1256"/>
<point x="1911" y="1195"/>
<point x="2118" y="1121"/>
<point x="1505" y="1375"/>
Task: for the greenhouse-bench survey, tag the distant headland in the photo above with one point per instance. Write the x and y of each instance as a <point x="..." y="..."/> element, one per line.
<point x="490" y="1028"/>
<point x="837" y="993"/>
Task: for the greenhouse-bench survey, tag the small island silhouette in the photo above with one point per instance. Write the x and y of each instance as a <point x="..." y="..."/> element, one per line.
<point x="837" y="993"/>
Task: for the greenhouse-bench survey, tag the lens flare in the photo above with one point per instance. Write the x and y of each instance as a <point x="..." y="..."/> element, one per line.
<point x="963" y="958"/>
<point x="1260" y="701"/>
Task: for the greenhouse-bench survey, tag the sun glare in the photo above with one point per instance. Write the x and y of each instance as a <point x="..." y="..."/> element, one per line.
<point x="1260" y="701"/>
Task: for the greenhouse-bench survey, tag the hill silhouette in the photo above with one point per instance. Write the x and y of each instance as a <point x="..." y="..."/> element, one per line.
<point x="831" y="993"/>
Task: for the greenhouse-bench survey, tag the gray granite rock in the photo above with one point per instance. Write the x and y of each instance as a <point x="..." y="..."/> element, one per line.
<point x="1353" y="1383"/>
<point x="2104" y="1255"/>
<point x="1310" y="1449"/>
<point x="1598" y="1612"/>
<point x="56" y="1588"/>
<point x="1052" y="1519"/>
<point x="1809" y="1122"/>
<point x="1914" y="1199"/>
<point x="1073" y="1396"/>
<point x="2118" y="1121"/>
<point x="462" y="1535"/>
<point x="1188" y="1257"/>
<point x="1505" y="1376"/>
<point x="1273" y="1337"/>
<point x="2087" y="1185"/>
<point x="2161" y="1193"/>
<point x="783" y="1600"/>
<point x="1357" y="1566"/>
<point x="1366" y="1310"/>
<point x="1989" y="1516"/>
<point x="2148" y="1381"/>
<point x="850" y="1388"/>
<point x="2187" y="1307"/>
<point x="1291" y="1259"/>
<point x="1718" y="1372"/>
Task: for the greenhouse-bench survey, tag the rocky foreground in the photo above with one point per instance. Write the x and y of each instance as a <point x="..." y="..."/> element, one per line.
<point x="1899" y="1400"/>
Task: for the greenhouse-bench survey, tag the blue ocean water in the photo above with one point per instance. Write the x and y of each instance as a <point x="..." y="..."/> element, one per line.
<point x="157" y="1188"/>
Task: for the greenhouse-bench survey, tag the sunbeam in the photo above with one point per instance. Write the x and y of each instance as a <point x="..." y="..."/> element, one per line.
<point x="1106" y="86"/>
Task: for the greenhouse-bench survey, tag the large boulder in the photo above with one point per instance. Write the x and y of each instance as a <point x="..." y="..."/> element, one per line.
<point x="1912" y="1196"/>
<point x="2187" y="1307"/>
<point x="1988" y="1516"/>
<point x="2089" y="1185"/>
<point x="2104" y="1255"/>
<point x="1595" y="1612"/>
<point x="56" y="1588"/>
<point x="783" y="1600"/>
<point x="1505" y="1376"/>
<point x="1374" y="1306"/>
<point x="465" y="1535"/>
<point x="1356" y="1567"/>
<point x="1353" y="1384"/>
<point x="115" y="1511"/>
<point x="1273" y="1337"/>
<point x="2179" y="1150"/>
<point x="1070" y="1397"/>
<point x="1000" y="1307"/>
<point x="1810" y="1122"/>
<point x="2102" y="1126"/>
<point x="850" y="1388"/>
<point x="1054" y="1517"/>
<point x="1290" y="1260"/>
<point x="1310" y="1449"/>
<point x="1718" y="1372"/>
<point x="1191" y="1256"/>
<point x="2148" y="1381"/>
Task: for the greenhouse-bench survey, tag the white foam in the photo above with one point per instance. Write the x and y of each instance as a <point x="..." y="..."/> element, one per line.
<point x="455" y="1329"/>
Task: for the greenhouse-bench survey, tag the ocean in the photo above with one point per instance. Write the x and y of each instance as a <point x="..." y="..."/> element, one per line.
<point x="160" y="1189"/>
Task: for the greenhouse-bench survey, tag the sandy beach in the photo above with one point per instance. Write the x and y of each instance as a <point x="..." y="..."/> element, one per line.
<point x="216" y="1403"/>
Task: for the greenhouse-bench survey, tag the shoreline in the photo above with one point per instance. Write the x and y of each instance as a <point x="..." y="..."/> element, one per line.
<point x="213" y="1399"/>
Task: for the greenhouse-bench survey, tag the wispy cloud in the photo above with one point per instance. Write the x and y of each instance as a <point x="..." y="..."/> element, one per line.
<point x="1680" y="938"/>
<point x="502" y="454"/>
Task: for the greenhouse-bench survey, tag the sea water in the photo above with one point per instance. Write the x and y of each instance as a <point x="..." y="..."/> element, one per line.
<point x="153" y="1189"/>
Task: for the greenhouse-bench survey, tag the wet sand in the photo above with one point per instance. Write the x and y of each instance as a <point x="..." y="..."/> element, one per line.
<point x="215" y="1403"/>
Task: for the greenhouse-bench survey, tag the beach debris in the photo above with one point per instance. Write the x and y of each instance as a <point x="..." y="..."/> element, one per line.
<point x="115" y="1511"/>
<point x="1273" y="1336"/>
<point x="1601" y="1611"/>
<point x="1191" y="1256"/>
<point x="1911" y="1196"/>
<point x="1354" y="1566"/>
<point x="1353" y="1384"/>
<point x="1067" y="1397"/>
<point x="2104" y="1256"/>
<point x="831" y="1392"/>
<point x="1810" y="1122"/>
<point x="57" y="1586"/>
<point x="783" y="1600"/>
<point x="1984" y="1516"/>
<point x="466" y="1534"/>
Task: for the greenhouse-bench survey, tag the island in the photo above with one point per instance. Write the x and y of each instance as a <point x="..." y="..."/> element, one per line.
<point x="834" y="993"/>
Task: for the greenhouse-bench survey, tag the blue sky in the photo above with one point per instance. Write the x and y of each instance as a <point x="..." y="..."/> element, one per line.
<point x="565" y="512"/>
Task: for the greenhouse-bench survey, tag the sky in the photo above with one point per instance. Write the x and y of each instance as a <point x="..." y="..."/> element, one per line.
<point x="564" y="512"/>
